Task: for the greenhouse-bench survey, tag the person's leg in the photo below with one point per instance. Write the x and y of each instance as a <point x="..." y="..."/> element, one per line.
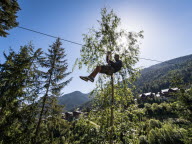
<point x="95" y="72"/>
<point x="85" y="78"/>
<point x="108" y="70"/>
<point x="92" y="75"/>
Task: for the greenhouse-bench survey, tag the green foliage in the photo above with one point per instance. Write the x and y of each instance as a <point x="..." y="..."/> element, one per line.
<point x="85" y="131"/>
<point x="168" y="134"/>
<point x="143" y="140"/>
<point x="184" y="101"/>
<point x="31" y="83"/>
<point x="56" y="67"/>
<point x="160" y="111"/>
<point x="22" y="83"/>
<point x="154" y="124"/>
<point x="173" y="73"/>
<point x="15" y="87"/>
<point x="8" y="11"/>
<point x="108" y="37"/>
<point x="108" y="97"/>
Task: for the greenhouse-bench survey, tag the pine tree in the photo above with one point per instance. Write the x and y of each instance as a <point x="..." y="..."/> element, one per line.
<point x="29" y="111"/>
<point x="56" y="64"/>
<point x="15" y="75"/>
<point x="8" y="10"/>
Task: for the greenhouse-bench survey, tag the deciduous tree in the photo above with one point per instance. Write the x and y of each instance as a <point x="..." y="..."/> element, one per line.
<point x="109" y="37"/>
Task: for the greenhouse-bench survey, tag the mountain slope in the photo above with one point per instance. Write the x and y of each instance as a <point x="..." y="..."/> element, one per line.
<point x="73" y="100"/>
<point x="159" y="76"/>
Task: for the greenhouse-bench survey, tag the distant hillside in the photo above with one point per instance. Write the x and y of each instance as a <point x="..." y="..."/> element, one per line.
<point x="176" y="61"/>
<point x="159" y="76"/>
<point x="73" y="100"/>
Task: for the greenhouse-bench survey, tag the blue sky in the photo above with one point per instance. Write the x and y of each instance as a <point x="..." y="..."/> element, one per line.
<point x="167" y="26"/>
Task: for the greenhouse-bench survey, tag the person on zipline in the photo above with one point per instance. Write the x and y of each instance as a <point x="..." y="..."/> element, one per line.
<point x="109" y="69"/>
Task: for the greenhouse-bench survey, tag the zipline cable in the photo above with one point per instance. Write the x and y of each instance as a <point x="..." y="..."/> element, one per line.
<point x="79" y="43"/>
<point x="50" y="35"/>
<point x="156" y="60"/>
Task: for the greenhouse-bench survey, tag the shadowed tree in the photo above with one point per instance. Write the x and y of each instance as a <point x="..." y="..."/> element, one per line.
<point x="8" y="11"/>
<point x="16" y="75"/>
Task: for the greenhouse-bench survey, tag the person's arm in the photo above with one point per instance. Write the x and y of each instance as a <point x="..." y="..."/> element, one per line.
<point x="108" y="57"/>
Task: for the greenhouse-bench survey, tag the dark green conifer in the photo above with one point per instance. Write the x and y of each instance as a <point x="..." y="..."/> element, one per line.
<point x="8" y="11"/>
<point x="15" y="75"/>
<point x="56" y="66"/>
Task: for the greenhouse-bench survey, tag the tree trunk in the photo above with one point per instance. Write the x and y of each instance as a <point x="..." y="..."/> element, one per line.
<point x="42" y="109"/>
<point x="112" y="113"/>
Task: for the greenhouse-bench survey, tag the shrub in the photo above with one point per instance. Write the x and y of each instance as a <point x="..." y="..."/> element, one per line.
<point x="168" y="134"/>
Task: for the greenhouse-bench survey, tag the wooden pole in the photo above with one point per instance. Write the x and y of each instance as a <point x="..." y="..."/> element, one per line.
<point x="112" y="113"/>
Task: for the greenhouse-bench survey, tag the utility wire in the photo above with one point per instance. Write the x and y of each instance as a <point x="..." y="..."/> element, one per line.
<point x="156" y="60"/>
<point x="50" y="35"/>
<point x="151" y="59"/>
<point x="78" y="43"/>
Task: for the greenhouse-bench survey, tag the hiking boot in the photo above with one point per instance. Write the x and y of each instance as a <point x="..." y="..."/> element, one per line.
<point x="84" y="78"/>
<point x="90" y="78"/>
